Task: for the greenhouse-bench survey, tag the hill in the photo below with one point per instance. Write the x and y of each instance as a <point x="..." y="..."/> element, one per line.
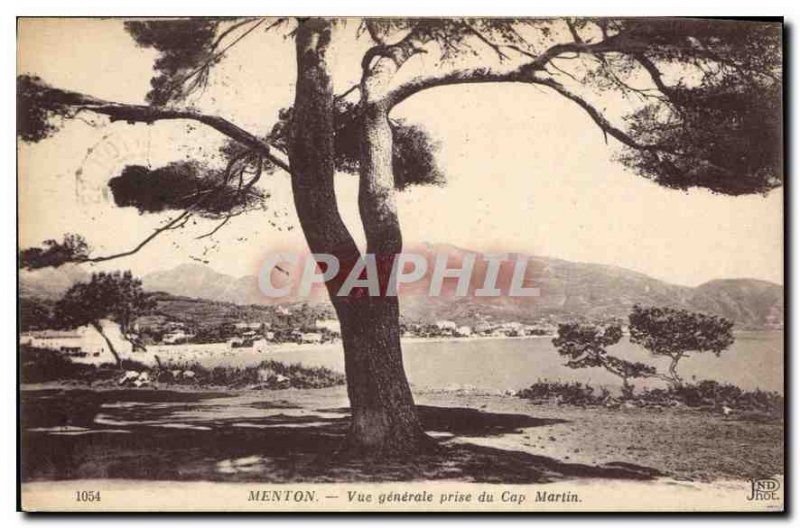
<point x="568" y="290"/>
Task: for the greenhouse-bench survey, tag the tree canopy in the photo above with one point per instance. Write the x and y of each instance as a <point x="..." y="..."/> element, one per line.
<point x="669" y="331"/>
<point x="117" y="296"/>
<point x="705" y="94"/>
<point x="585" y="345"/>
<point x="672" y="333"/>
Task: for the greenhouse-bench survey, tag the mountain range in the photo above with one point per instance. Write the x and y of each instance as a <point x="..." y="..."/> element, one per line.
<point x="566" y="290"/>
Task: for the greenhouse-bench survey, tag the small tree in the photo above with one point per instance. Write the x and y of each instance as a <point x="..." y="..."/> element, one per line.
<point x="672" y="333"/>
<point x="117" y="296"/>
<point x="585" y="346"/>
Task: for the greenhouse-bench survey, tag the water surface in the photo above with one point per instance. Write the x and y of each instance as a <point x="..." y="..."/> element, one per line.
<point x="754" y="361"/>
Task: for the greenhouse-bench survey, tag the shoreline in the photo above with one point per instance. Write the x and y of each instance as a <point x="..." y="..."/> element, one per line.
<point x="302" y="347"/>
<point x="199" y="350"/>
<point x="281" y="348"/>
<point x="495" y="363"/>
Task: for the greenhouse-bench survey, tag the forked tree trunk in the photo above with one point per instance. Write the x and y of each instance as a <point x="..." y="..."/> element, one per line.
<point x="384" y="418"/>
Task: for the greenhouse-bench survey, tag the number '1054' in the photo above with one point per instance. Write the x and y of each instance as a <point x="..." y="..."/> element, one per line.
<point x="87" y="496"/>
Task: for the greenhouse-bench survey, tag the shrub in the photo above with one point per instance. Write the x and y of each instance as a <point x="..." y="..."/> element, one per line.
<point x="706" y="395"/>
<point x="41" y="365"/>
<point x="564" y="393"/>
<point x="267" y="374"/>
<point x="713" y="395"/>
<point x="38" y="365"/>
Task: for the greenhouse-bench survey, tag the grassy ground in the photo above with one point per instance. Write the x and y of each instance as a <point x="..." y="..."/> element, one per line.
<point x="292" y="435"/>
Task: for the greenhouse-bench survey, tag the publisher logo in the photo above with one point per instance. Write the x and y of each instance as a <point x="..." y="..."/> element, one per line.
<point x="764" y="489"/>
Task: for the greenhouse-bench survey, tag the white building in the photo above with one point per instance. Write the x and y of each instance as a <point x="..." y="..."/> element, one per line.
<point x="177" y="336"/>
<point x="85" y="338"/>
<point x="463" y="331"/>
<point x="311" y="337"/>
<point x="247" y="326"/>
<point x="83" y="345"/>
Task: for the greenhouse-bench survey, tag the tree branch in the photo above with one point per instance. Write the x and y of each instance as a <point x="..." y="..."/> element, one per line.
<point x="203" y="68"/>
<point x="374" y="33"/>
<point x="347" y="92"/>
<point x="523" y="73"/>
<point x="399" y="52"/>
<point x="231" y="29"/>
<point x="597" y="117"/>
<point x="150" y="114"/>
<point x="494" y="47"/>
<point x="174" y="223"/>
<point x="526" y="74"/>
<point x="219" y="226"/>
<point x="617" y="133"/>
<point x="655" y="75"/>
<point x="181" y="219"/>
<point x="574" y="31"/>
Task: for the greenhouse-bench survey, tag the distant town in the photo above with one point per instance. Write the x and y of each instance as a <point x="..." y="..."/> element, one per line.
<point x="284" y="327"/>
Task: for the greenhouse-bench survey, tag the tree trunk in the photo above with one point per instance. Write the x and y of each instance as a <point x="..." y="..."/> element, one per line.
<point x="97" y="326"/>
<point x="675" y="379"/>
<point x="627" y="389"/>
<point x="384" y="418"/>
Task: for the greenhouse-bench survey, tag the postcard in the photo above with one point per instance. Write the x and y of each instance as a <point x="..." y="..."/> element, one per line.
<point x="282" y="264"/>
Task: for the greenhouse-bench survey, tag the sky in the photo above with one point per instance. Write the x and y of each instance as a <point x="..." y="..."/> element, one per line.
<point x="527" y="171"/>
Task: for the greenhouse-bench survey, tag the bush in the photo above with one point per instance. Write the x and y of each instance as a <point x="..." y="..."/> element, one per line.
<point x="41" y="365"/>
<point x="564" y="393"/>
<point x="706" y="395"/>
<point x="38" y="365"/>
<point x="713" y="395"/>
<point x="267" y="374"/>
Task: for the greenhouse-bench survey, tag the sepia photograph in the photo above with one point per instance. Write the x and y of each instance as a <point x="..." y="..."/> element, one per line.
<point x="400" y="264"/>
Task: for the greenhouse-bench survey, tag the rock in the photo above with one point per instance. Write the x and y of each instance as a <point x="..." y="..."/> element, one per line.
<point x="176" y="374"/>
<point x="129" y="376"/>
<point x="188" y="374"/>
<point x="280" y="378"/>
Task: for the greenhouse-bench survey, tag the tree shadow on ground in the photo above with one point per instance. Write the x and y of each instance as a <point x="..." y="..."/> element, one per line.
<point x="62" y="439"/>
